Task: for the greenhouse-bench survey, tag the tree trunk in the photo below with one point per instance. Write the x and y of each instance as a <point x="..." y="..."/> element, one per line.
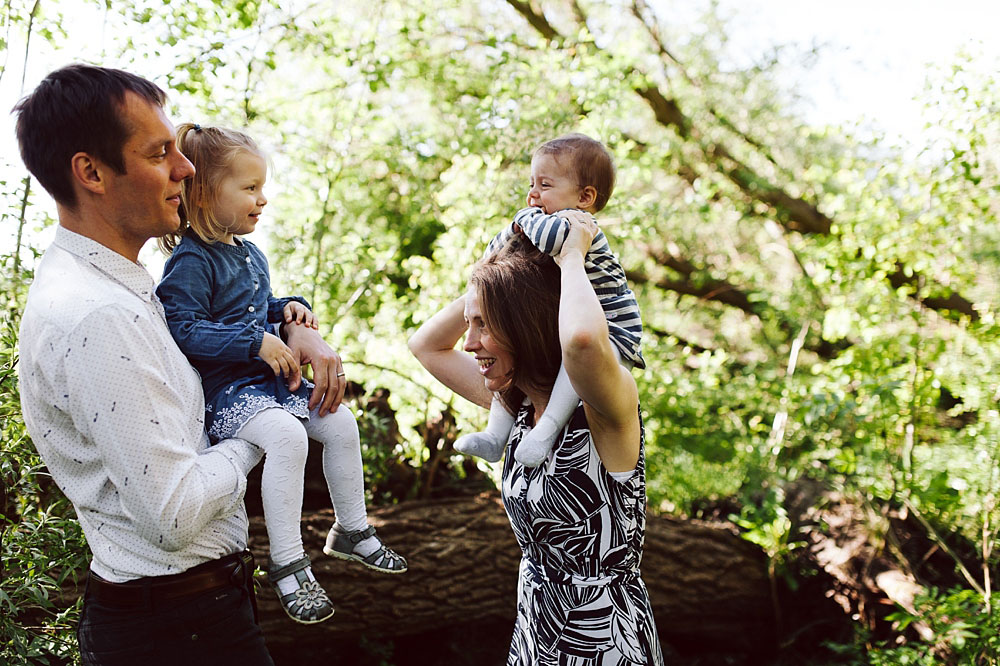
<point x="708" y="586"/>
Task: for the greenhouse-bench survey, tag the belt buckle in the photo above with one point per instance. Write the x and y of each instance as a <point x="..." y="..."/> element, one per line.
<point x="241" y="572"/>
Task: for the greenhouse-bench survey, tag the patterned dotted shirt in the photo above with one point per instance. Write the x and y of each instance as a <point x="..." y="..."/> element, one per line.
<point x="117" y="414"/>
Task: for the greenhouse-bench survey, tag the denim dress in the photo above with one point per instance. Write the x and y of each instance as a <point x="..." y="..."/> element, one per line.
<point x="218" y="304"/>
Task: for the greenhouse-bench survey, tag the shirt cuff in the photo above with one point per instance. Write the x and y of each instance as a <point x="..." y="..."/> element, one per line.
<point x="255" y="344"/>
<point x="243" y="456"/>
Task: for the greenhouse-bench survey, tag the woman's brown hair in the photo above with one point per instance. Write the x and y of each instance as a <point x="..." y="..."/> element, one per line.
<point x="518" y="290"/>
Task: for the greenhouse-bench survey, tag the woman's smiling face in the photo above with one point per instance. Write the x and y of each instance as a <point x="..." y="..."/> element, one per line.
<point x="495" y="363"/>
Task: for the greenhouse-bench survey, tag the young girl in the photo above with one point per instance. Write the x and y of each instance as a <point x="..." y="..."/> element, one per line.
<point x="217" y="298"/>
<point x="570" y="174"/>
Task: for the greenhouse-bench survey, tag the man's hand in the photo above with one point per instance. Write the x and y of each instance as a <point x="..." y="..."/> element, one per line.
<point x="309" y="348"/>
<point x="299" y="314"/>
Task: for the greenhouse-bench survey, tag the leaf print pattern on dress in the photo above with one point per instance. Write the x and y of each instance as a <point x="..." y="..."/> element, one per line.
<point x="581" y="601"/>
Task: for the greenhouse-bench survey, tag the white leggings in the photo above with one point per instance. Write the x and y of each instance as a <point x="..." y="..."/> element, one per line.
<point x="285" y="440"/>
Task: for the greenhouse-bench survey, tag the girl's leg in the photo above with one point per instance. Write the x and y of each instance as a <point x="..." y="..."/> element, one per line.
<point x="344" y="474"/>
<point x="490" y="443"/>
<point x="342" y="467"/>
<point x="283" y="438"/>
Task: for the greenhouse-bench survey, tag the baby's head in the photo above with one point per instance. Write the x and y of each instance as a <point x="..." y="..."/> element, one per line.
<point x="573" y="171"/>
<point x="215" y="153"/>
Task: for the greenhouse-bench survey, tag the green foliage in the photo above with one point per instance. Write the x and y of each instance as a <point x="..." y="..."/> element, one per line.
<point x="42" y="544"/>
<point x="401" y="137"/>
<point x="966" y="631"/>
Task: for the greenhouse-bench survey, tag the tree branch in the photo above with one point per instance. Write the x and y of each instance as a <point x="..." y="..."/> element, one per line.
<point x="536" y="19"/>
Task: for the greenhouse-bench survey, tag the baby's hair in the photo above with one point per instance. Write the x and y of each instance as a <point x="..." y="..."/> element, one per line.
<point x="212" y="151"/>
<point x="589" y="160"/>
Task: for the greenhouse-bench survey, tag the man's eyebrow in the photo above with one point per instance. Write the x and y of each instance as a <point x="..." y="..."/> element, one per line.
<point x="160" y="142"/>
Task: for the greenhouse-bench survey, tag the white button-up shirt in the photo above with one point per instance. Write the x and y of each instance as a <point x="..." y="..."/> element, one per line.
<point x="117" y="414"/>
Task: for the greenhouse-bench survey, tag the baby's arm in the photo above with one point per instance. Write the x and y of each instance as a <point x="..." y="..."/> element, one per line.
<point x="186" y="294"/>
<point x="547" y="232"/>
<point x="500" y="240"/>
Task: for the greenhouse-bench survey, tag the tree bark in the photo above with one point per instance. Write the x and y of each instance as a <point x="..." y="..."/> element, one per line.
<point x="707" y="585"/>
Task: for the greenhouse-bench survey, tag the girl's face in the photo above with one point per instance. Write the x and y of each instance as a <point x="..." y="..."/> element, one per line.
<point x="495" y="362"/>
<point x="552" y="187"/>
<point x="241" y="194"/>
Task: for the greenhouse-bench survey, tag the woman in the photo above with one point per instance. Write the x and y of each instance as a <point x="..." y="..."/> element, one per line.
<point x="580" y="516"/>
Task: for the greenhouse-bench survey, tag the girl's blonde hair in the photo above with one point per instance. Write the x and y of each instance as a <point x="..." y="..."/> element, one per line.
<point x="211" y="151"/>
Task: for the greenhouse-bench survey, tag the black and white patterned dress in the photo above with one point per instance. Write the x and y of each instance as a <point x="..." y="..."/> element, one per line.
<point x="580" y="599"/>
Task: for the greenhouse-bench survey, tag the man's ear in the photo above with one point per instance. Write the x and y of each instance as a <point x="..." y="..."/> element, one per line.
<point x="588" y="196"/>
<point x="88" y="173"/>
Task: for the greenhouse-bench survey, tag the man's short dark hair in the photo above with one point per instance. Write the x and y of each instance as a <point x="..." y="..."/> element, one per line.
<point x="77" y="109"/>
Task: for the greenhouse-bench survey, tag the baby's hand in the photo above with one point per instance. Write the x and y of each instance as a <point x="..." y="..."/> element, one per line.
<point x="300" y="314"/>
<point x="277" y="354"/>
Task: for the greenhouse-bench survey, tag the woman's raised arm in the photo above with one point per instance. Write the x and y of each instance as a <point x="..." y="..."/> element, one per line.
<point x="434" y="346"/>
<point x="607" y="389"/>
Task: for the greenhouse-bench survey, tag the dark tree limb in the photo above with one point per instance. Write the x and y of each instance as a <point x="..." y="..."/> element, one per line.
<point x="706" y="584"/>
<point x="793" y="213"/>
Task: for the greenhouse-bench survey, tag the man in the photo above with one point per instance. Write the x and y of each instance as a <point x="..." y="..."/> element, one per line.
<point x="111" y="403"/>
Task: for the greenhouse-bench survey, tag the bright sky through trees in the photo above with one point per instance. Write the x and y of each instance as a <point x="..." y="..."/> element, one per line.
<point x="872" y="58"/>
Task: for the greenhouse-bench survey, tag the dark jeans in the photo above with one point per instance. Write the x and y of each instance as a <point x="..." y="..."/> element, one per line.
<point x="216" y="628"/>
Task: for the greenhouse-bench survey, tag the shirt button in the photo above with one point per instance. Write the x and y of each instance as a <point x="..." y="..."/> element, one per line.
<point x="250" y="309"/>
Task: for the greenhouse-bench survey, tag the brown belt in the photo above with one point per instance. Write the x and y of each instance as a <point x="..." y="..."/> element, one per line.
<point x="232" y="570"/>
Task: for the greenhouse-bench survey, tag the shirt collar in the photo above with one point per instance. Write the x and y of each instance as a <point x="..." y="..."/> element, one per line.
<point x="133" y="276"/>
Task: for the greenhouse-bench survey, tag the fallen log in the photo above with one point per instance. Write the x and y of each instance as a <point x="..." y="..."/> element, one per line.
<point x="708" y="586"/>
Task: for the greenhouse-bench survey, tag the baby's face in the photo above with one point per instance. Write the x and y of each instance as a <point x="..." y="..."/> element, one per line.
<point x="552" y="187"/>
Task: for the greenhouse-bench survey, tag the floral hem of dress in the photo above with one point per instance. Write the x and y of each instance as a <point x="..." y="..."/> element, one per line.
<point x="229" y="420"/>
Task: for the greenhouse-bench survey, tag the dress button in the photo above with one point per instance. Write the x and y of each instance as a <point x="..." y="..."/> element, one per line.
<point x="248" y="260"/>
<point x="250" y="309"/>
<point x="255" y="286"/>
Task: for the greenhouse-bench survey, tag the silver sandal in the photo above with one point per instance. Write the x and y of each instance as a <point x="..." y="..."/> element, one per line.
<point x="342" y="544"/>
<point x="307" y="604"/>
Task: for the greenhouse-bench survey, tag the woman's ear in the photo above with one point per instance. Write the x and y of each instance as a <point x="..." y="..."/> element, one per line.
<point x="588" y="196"/>
<point x="87" y="173"/>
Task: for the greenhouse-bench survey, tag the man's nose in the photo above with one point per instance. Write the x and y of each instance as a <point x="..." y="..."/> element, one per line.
<point x="183" y="168"/>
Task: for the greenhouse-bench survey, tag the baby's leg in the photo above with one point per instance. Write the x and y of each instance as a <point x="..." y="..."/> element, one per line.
<point x="537" y="444"/>
<point x="283" y="438"/>
<point x="489" y="444"/>
<point x="342" y="467"/>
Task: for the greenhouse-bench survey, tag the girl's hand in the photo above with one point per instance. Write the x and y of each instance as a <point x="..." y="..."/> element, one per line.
<point x="582" y="229"/>
<point x="300" y="314"/>
<point x="278" y="355"/>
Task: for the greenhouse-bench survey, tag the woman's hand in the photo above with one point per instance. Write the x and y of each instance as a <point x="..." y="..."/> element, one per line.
<point x="434" y="346"/>
<point x="300" y="314"/>
<point x="582" y="229"/>
<point x="277" y="354"/>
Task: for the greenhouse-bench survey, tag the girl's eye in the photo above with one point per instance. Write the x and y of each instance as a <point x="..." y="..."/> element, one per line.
<point x="252" y="188"/>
